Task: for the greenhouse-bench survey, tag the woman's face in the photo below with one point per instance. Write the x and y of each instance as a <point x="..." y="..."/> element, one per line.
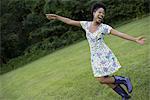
<point x="99" y="15"/>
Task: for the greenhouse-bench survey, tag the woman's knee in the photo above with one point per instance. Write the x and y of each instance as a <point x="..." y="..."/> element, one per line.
<point x="101" y="79"/>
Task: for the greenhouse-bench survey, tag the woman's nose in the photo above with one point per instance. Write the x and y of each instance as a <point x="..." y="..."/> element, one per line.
<point x="102" y="14"/>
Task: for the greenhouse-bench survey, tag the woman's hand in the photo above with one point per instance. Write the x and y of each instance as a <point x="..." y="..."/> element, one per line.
<point x="51" y="16"/>
<point x="140" y="40"/>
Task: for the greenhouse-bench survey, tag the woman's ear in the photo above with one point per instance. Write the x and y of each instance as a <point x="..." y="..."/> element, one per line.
<point x="93" y="13"/>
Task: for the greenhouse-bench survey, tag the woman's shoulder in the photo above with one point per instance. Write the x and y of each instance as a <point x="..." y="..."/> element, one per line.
<point x="106" y="28"/>
<point x="85" y="24"/>
<point x="105" y="25"/>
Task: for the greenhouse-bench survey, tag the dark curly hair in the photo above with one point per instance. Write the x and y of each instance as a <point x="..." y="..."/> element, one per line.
<point x="97" y="6"/>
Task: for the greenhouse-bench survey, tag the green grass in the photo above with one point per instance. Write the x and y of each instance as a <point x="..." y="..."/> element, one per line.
<point x="67" y="75"/>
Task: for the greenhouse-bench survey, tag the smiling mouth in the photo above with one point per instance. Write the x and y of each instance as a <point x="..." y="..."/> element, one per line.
<point x="100" y="17"/>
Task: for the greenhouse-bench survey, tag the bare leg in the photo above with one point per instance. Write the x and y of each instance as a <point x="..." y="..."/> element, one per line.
<point x="106" y="80"/>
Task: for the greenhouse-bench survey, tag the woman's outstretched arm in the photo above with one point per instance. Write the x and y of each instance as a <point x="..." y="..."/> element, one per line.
<point x="139" y="40"/>
<point x="63" y="19"/>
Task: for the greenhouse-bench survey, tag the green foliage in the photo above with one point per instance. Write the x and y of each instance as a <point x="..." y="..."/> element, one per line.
<point x="24" y="25"/>
<point x="32" y="22"/>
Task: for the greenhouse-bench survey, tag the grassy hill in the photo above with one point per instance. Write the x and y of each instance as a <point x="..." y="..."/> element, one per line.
<point x="67" y="75"/>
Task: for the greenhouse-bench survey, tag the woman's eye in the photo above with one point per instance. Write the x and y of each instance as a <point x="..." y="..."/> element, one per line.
<point x="101" y="13"/>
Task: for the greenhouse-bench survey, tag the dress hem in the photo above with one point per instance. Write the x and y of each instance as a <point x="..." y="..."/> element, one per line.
<point x="107" y="73"/>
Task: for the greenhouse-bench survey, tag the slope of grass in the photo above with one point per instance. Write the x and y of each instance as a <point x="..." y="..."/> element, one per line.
<point x="66" y="74"/>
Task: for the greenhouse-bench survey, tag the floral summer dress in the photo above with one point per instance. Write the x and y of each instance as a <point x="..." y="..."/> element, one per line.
<point x="103" y="61"/>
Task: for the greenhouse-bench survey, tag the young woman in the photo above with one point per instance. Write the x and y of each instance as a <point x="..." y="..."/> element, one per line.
<point x="104" y="62"/>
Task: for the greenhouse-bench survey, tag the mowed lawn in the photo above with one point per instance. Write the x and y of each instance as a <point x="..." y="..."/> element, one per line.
<point x="67" y="75"/>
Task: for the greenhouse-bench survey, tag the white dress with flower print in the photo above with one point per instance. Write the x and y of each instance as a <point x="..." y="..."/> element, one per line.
<point x="103" y="61"/>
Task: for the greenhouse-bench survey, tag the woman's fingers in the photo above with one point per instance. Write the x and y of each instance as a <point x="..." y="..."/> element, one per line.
<point x="141" y="37"/>
<point x="140" y="40"/>
<point x="51" y="16"/>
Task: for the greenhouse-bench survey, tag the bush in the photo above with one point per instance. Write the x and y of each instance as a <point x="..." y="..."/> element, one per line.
<point x="28" y="34"/>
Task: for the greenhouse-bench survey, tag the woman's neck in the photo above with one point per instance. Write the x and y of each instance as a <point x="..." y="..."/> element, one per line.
<point x="94" y="23"/>
<point x="93" y="26"/>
